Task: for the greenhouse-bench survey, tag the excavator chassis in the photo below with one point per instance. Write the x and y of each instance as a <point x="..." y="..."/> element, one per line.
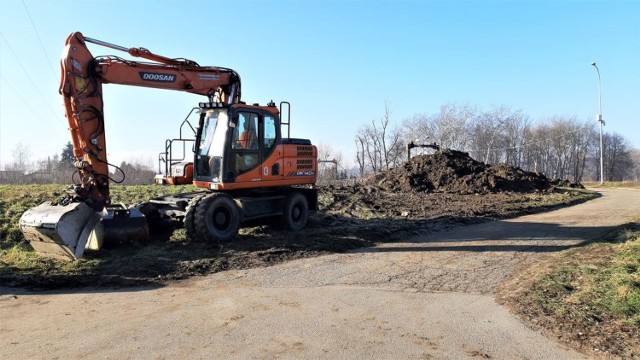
<point x="65" y="231"/>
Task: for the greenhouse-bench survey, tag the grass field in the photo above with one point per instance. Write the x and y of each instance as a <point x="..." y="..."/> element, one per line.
<point x="16" y="255"/>
<point x="612" y="184"/>
<point x="16" y="199"/>
<point x="588" y="296"/>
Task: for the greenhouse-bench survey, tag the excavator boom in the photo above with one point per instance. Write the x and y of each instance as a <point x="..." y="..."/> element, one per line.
<point x="81" y="88"/>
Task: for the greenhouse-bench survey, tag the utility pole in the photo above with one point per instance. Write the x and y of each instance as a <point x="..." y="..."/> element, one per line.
<point x="599" y="119"/>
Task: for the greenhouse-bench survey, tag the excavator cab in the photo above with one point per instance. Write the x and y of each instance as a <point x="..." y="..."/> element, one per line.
<point x="241" y="147"/>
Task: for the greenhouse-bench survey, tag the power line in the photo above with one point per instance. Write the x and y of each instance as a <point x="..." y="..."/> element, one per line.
<point x="41" y="44"/>
<point x="29" y="77"/>
<point x="29" y="107"/>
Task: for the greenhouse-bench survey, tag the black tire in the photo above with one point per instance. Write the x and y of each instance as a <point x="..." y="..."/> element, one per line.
<point x="296" y="211"/>
<point x="189" y="217"/>
<point x="217" y="218"/>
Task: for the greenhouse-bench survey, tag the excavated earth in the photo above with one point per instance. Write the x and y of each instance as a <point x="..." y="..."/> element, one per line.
<point x="451" y="171"/>
<point x="429" y="193"/>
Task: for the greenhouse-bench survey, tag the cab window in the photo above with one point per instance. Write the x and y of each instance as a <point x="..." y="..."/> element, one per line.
<point x="269" y="134"/>
<point x="245" y="135"/>
<point x="245" y="143"/>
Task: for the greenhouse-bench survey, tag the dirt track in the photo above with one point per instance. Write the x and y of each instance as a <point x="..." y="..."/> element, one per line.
<point x="428" y="297"/>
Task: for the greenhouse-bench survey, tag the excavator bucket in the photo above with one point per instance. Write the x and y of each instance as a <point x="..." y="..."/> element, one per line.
<point x="58" y="231"/>
<point x="64" y="232"/>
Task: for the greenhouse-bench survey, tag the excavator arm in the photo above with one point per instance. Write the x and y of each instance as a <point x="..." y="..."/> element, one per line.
<point x="81" y="88"/>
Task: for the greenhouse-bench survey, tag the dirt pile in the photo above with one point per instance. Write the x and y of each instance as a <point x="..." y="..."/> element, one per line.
<point x="452" y="171"/>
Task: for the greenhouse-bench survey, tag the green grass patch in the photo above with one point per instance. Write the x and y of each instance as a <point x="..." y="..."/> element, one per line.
<point x="612" y="184"/>
<point x="607" y="285"/>
<point x="589" y="296"/>
<point x="16" y="199"/>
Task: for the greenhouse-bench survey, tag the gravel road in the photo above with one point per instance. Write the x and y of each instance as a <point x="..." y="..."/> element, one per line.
<point x="428" y="297"/>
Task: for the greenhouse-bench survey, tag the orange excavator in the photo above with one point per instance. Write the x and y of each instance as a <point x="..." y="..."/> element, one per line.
<point x="249" y="171"/>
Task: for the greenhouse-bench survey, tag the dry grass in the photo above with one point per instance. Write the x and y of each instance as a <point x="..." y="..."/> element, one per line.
<point x="612" y="184"/>
<point x="588" y="297"/>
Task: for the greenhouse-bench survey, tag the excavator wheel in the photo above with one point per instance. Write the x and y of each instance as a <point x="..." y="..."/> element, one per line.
<point x="296" y="211"/>
<point x="216" y="218"/>
<point x="189" y="218"/>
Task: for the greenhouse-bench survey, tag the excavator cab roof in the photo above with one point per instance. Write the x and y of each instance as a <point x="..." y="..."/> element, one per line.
<point x="270" y="107"/>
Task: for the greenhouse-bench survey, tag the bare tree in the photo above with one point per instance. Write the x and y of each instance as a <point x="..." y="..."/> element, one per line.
<point x="135" y="173"/>
<point x="379" y="145"/>
<point x="634" y="154"/>
<point x="370" y="148"/>
<point x="558" y="146"/>
<point x="25" y="170"/>
<point x="514" y="130"/>
<point x="22" y="159"/>
<point x="617" y="159"/>
<point x="330" y="163"/>
<point x="361" y="142"/>
<point x="582" y="141"/>
<point x="485" y="131"/>
<point x="449" y="127"/>
<point x="418" y="129"/>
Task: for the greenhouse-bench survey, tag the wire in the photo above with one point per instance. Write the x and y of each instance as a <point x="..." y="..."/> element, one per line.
<point x="111" y="165"/>
<point x="37" y="115"/>
<point x="55" y="76"/>
<point x="29" y="77"/>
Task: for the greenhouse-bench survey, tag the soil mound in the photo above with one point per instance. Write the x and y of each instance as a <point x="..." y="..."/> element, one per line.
<point x="455" y="171"/>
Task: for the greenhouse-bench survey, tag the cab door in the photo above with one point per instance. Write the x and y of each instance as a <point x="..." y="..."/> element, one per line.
<point x="244" y="155"/>
<point x="272" y="166"/>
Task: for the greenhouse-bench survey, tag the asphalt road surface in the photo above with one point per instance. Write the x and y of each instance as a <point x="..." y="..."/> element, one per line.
<point x="430" y="297"/>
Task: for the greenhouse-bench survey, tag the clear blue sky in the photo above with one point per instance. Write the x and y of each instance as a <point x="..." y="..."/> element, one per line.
<point x="336" y="62"/>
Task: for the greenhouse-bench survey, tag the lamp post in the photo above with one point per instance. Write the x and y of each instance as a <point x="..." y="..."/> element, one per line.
<point x="599" y="119"/>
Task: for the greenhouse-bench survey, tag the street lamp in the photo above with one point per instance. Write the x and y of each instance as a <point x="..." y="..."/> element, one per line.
<point x="599" y="119"/>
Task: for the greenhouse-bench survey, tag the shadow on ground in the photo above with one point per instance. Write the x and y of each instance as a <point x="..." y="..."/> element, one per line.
<point x="502" y="235"/>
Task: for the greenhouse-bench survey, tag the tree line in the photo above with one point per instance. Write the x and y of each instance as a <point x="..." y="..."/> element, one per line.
<point x="59" y="169"/>
<point x="560" y="147"/>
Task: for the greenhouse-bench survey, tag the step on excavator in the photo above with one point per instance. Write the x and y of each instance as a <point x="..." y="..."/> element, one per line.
<point x="247" y="170"/>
